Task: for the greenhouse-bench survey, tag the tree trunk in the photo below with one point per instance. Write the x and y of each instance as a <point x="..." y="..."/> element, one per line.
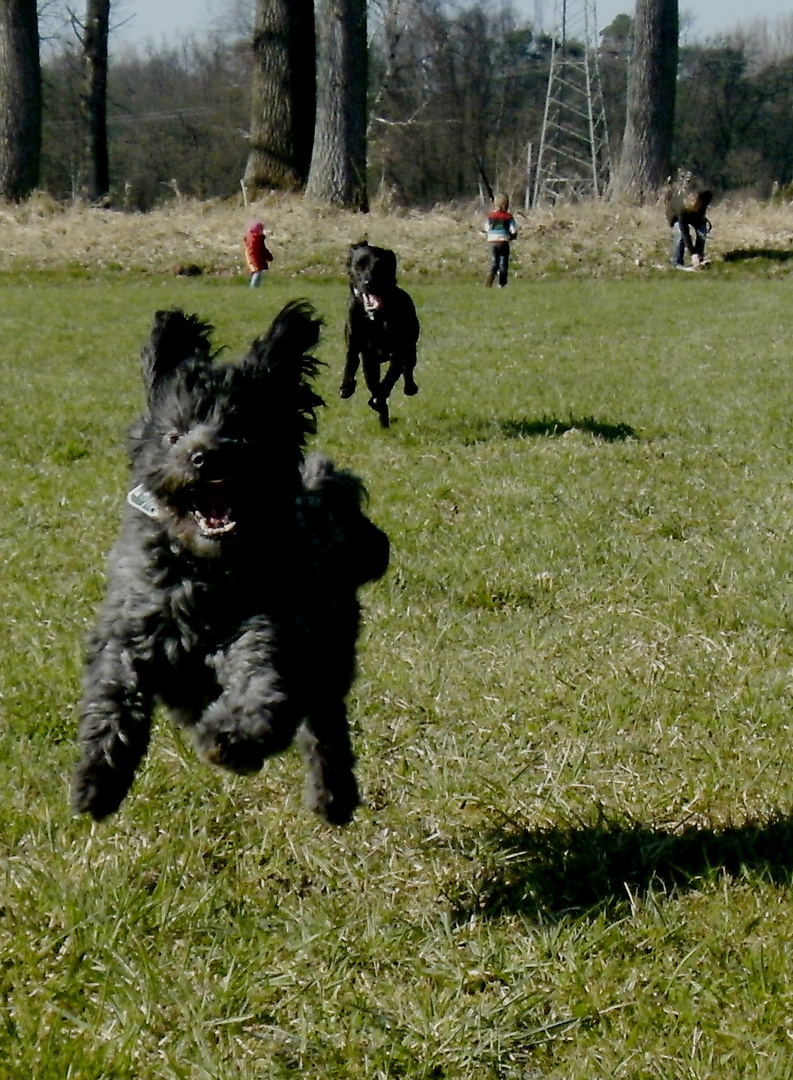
<point x="284" y="95"/>
<point x="338" y="163"/>
<point x="94" y="40"/>
<point x="646" y="157"/>
<point x="20" y="99"/>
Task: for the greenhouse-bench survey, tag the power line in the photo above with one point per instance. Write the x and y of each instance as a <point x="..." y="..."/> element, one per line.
<point x="573" y="160"/>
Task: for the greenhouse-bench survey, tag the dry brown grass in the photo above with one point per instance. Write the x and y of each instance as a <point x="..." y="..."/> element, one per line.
<point x="600" y="238"/>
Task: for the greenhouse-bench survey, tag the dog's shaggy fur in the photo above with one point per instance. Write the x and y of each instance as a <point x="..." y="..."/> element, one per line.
<point x="382" y="328"/>
<point x="232" y="588"/>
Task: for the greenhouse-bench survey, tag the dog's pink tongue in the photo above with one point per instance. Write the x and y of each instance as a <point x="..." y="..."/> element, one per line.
<point x="218" y="515"/>
<point x="216" y="521"/>
<point x="371" y="302"/>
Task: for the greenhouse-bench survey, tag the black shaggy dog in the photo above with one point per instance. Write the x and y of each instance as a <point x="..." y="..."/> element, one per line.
<point x="232" y="587"/>
<point x="382" y="328"/>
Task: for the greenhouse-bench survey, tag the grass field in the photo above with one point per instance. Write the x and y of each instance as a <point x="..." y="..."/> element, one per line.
<point x="572" y="713"/>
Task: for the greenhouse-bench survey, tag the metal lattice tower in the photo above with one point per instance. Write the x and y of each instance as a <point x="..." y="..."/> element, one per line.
<point x="573" y="160"/>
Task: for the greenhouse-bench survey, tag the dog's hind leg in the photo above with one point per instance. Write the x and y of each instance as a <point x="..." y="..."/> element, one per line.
<point x="254" y="717"/>
<point x="378" y="399"/>
<point x="324" y="741"/>
<point x="324" y="736"/>
<point x="380" y="406"/>
<point x="403" y="364"/>
<point x="114" y="730"/>
<point x="409" y="364"/>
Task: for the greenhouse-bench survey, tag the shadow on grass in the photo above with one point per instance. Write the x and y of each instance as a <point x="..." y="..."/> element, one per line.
<point x="526" y="429"/>
<point x="475" y="430"/>
<point x="772" y="254"/>
<point x="561" y="870"/>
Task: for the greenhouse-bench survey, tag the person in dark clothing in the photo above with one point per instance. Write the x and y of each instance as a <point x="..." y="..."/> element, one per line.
<point x="686" y="213"/>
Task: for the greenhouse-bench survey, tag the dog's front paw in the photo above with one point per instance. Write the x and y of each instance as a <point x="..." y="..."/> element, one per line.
<point x="240" y="743"/>
<point x="331" y="788"/>
<point x="335" y="804"/>
<point x="347" y="388"/>
<point x="226" y="750"/>
<point x="97" y="789"/>
<point x="410" y="387"/>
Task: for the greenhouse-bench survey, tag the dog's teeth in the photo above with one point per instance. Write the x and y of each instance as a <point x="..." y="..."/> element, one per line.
<point x="213" y="530"/>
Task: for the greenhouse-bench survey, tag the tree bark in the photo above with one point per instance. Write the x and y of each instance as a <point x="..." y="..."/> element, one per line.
<point x="646" y="157"/>
<point x="95" y="47"/>
<point x="20" y="99"/>
<point x="283" y="97"/>
<point x="338" y="163"/>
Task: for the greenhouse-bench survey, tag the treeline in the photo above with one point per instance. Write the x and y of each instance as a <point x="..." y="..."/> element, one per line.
<point x="177" y="121"/>
<point x="447" y="88"/>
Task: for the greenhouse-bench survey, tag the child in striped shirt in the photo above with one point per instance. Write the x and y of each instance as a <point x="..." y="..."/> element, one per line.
<point x="501" y="231"/>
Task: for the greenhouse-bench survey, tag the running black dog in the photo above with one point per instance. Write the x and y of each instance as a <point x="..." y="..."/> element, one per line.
<point x="232" y="593"/>
<point x="382" y="328"/>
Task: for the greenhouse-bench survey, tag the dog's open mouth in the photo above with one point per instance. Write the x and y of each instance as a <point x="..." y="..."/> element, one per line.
<point x="371" y="302"/>
<point x="211" y="510"/>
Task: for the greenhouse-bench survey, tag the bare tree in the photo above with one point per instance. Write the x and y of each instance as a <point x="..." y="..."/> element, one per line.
<point x="94" y="38"/>
<point x="338" y="163"/>
<point x="283" y="95"/>
<point x="646" y="156"/>
<point x="20" y="99"/>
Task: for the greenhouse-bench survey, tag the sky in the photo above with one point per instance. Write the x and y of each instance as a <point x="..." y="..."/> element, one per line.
<point x="708" y="17"/>
<point x="139" y="21"/>
<point x="135" y="22"/>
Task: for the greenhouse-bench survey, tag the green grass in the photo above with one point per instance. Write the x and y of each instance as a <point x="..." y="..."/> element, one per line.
<point x="572" y="714"/>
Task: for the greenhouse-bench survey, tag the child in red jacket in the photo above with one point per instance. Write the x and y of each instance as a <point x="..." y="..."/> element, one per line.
<point x="257" y="255"/>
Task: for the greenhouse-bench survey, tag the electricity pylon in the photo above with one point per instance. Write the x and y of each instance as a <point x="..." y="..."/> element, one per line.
<point x="573" y="160"/>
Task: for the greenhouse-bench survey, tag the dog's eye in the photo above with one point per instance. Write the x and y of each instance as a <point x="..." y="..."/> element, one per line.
<point x="171" y="438"/>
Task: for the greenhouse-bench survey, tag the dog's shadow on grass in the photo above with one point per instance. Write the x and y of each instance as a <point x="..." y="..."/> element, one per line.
<point x="772" y="254"/>
<point x="550" y="426"/>
<point x="556" y="871"/>
<point x="482" y="430"/>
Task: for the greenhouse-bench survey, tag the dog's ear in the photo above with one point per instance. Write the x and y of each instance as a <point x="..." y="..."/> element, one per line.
<point x="354" y="250"/>
<point x="282" y="361"/>
<point x="388" y="258"/>
<point x="175" y="337"/>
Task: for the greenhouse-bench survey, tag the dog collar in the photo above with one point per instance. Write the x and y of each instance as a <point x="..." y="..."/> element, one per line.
<point x="144" y="501"/>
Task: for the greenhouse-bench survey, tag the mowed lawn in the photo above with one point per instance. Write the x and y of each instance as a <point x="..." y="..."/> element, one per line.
<point x="572" y="714"/>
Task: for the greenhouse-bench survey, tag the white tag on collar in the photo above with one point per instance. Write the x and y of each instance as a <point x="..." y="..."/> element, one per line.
<point x="144" y="501"/>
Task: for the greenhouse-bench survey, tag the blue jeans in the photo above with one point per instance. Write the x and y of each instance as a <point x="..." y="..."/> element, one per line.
<point x="500" y="267"/>
<point x="679" y="242"/>
<point x="256" y="278"/>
